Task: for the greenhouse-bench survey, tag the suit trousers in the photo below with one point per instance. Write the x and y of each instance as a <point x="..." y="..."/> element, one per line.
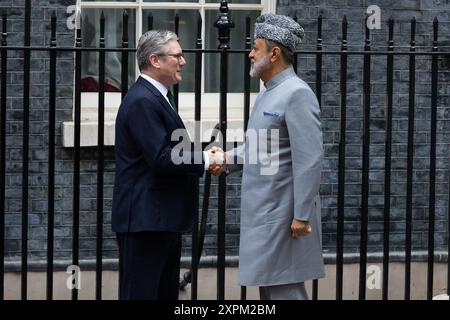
<point x="291" y="291"/>
<point x="149" y="265"/>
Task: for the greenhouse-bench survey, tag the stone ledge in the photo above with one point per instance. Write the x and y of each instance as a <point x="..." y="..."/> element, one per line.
<point x="89" y="133"/>
<point x="230" y="261"/>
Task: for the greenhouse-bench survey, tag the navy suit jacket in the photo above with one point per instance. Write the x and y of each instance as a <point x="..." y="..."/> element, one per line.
<point x="151" y="192"/>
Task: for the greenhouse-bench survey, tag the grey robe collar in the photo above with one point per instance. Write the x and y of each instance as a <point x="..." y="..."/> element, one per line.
<point x="279" y="78"/>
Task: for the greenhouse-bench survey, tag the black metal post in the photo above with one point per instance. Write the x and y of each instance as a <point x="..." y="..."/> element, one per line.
<point x="100" y="160"/>
<point x="76" y="164"/>
<point x="319" y="61"/>
<point x="149" y="21"/>
<point x="341" y="177"/>
<point x="223" y="24"/>
<point x="51" y="159"/>
<point x="25" y="147"/>
<point x="432" y="199"/>
<point x="4" y="70"/>
<point x="248" y="46"/>
<point x="365" y="169"/>
<point x="176" y="87"/>
<point x="198" y="140"/>
<point x="409" y="170"/>
<point x="124" y="89"/>
<point x="388" y="160"/>
<point x="315" y="283"/>
<point x="124" y="71"/>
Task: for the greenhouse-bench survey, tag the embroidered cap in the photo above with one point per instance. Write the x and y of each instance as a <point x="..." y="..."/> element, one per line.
<point x="279" y="28"/>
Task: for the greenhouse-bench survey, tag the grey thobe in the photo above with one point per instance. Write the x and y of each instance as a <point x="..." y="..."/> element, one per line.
<point x="281" y="185"/>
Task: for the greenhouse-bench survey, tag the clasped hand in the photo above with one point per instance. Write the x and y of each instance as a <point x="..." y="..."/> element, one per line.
<point x="217" y="161"/>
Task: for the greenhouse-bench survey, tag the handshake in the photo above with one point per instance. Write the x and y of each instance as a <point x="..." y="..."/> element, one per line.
<point x="218" y="161"/>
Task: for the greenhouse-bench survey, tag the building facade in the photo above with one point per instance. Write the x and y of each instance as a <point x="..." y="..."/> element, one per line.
<point x="306" y="12"/>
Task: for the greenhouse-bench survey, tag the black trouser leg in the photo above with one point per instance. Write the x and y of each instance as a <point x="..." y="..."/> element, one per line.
<point x="150" y="265"/>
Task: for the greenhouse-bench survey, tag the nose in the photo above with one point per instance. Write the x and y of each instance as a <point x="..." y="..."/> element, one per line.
<point x="182" y="61"/>
<point x="251" y="54"/>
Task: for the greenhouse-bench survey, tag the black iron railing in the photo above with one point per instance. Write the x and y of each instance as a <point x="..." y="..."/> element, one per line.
<point x="224" y="24"/>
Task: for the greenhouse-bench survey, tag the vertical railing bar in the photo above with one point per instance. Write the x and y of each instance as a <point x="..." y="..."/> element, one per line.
<point x="387" y="160"/>
<point x="124" y="71"/>
<point x="149" y="21"/>
<point x="315" y="283"/>
<point x="124" y="88"/>
<point x="341" y="170"/>
<point x="25" y="146"/>
<point x="432" y="198"/>
<point x="196" y="253"/>
<point x="176" y="87"/>
<point x="222" y="179"/>
<point x="100" y="159"/>
<point x="4" y="56"/>
<point x="248" y="46"/>
<point x="365" y="169"/>
<point x="76" y="151"/>
<point x="319" y="61"/>
<point x="224" y="24"/>
<point x="410" y="156"/>
<point x="51" y="159"/>
<point x="247" y="88"/>
<point x="295" y="63"/>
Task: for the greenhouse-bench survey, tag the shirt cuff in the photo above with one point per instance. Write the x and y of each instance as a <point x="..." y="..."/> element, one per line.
<point x="206" y="158"/>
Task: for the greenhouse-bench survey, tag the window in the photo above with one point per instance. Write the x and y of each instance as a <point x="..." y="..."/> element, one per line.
<point x="163" y="13"/>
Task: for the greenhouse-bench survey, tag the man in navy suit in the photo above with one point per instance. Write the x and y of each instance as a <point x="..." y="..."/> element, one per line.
<point x="154" y="195"/>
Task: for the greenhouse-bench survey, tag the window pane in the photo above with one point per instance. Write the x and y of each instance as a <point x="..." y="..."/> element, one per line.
<point x="187" y="33"/>
<point x="90" y="19"/>
<point x="236" y="1"/>
<point x="236" y="60"/>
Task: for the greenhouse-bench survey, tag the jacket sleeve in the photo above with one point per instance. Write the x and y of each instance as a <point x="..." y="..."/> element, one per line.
<point x="148" y="130"/>
<point x="305" y="134"/>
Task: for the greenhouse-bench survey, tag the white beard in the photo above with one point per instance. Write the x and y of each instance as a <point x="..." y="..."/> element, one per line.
<point x="258" y="67"/>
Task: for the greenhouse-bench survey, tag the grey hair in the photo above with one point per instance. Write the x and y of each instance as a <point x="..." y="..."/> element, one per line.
<point x="286" y="53"/>
<point x="152" y="42"/>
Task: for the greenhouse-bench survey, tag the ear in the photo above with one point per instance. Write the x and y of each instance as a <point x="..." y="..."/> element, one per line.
<point x="153" y="60"/>
<point x="276" y="52"/>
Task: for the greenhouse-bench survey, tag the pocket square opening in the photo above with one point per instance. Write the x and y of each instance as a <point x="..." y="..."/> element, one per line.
<point x="272" y="114"/>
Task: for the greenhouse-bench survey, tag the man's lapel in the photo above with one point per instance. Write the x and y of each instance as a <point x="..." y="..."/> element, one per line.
<point x="166" y="106"/>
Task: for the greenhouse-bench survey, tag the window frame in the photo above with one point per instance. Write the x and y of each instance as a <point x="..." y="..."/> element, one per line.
<point x="210" y="100"/>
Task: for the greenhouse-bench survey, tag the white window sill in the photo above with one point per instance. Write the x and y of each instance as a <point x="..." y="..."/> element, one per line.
<point x="89" y="131"/>
<point x="209" y="116"/>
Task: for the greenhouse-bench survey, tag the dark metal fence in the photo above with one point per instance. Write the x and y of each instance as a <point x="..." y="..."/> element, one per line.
<point x="223" y="24"/>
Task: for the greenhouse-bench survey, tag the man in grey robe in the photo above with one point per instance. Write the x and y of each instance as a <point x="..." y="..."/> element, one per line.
<point x="280" y="235"/>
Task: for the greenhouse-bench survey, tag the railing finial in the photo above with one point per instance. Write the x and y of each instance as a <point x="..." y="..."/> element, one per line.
<point x="224" y="24"/>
